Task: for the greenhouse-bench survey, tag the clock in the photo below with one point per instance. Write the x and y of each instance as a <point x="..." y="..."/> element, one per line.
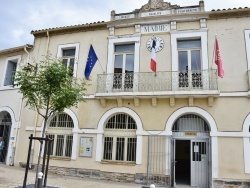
<point x="159" y="44"/>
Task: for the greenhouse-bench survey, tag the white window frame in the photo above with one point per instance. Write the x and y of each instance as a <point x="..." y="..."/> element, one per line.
<point x="75" y="46"/>
<point x="246" y="143"/>
<point x="247" y="40"/>
<point x="189" y="34"/>
<point x="111" y="51"/>
<point x="100" y="132"/>
<point x="75" y="131"/>
<point x="58" y="131"/>
<point x="12" y="58"/>
<point x="115" y="134"/>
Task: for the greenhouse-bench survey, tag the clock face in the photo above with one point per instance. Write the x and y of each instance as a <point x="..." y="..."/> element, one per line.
<point x="159" y="44"/>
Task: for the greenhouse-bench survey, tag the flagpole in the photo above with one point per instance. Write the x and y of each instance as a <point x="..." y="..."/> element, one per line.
<point x="214" y="51"/>
<point x="100" y="65"/>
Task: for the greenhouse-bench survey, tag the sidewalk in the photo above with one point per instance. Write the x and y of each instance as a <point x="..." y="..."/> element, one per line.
<point x="11" y="177"/>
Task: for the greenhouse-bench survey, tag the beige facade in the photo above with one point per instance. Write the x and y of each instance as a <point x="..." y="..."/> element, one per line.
<point x="161" y="104"/>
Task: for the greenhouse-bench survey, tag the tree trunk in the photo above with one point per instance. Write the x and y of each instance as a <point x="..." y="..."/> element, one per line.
<point x="40" y="151"/>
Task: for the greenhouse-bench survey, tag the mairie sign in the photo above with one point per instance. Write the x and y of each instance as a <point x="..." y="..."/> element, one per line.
<point x="155" y="28"/>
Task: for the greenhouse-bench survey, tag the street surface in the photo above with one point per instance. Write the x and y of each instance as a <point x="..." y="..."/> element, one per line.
<point x="12" y="177"/>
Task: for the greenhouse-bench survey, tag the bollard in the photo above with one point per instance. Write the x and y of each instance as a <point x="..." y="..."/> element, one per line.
<point x="40" y="180"/>
<point x="152" y="186"/>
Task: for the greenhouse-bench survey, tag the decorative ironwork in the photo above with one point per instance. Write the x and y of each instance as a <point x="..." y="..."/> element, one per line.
<point x="159" y="81"/>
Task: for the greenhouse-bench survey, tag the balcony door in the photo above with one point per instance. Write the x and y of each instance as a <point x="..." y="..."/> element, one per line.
<point x="189" y="59"/>
<point x="124" y="67"/>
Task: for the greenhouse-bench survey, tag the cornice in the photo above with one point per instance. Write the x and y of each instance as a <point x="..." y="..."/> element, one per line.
<point x="235" y="13"/>
<point x="70" y="29"/>
<point x="15" y="49"/>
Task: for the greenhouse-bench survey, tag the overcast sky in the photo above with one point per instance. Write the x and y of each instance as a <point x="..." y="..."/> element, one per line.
<point x="19" y="17"/>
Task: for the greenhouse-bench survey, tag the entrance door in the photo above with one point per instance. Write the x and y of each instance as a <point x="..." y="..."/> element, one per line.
<point x="5" y="128"/>
<point x="200" y="163"/>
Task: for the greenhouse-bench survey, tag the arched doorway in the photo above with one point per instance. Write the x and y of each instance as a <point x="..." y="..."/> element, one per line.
<point x="191" y="154"/>
<point x="5" y="129"/>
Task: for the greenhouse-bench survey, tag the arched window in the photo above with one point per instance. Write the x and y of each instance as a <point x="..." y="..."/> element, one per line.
<point x="5" y="129"/>
<point x="190" y="123"/>
<point x="60" y="130"/>
<point x="120" y="139"/>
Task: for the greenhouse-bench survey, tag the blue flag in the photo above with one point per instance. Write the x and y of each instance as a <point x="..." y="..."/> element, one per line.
<point x="92" y="58"/>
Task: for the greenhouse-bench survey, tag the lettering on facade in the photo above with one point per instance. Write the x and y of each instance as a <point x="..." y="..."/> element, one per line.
<point x="187" y="10"/>
<point x="155" y="28"/>
<point x="155" y="13"/>
<point x="122" y="17"/>
<point x="190" y="134"/>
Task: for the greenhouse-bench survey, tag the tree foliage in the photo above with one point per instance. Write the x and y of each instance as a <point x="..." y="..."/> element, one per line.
<point x="49" y="87"/>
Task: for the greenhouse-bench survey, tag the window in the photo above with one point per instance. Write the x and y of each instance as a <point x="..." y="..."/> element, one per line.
<point x="189" y="56"/>
<point x="120" y="139"/>
<point x="123" y="63"/>
<point x="69" y="53"/>
<point x="11" y="68"/>
<point x="247" y="40"/>
<point x="124" y="66"/>
<point x="60" y="130"/>
<point x="68" y="59"/>
<point x="246" y="143"/>
<point x="189" y="59"/>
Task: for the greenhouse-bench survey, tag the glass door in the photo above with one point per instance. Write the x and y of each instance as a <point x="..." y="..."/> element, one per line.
<point x="189" y="57"/>
<point x="124" y="67"/>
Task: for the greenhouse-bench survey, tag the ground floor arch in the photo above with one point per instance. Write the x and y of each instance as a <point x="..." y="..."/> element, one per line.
<point x="7" y="137"/>
<point x="188" y="149"/>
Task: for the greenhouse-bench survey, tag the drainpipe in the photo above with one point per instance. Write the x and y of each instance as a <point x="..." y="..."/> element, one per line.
<point x="12" y="157"/>
<point x="25" y="49"/>
<point x="47" y="47"/>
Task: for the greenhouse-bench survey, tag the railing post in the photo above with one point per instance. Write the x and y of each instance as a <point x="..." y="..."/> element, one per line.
<point x="28" y="161"/>
<point x="48" y="157"/>
<point x="40" y="180"/>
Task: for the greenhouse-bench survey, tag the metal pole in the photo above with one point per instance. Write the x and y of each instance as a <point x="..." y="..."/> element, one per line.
<point x="149" y="137"/>
<point x="40" y="180"/>
<point x="44" y="154"/>
<point x="27" y="164"/>
<point x="47" y="165"/>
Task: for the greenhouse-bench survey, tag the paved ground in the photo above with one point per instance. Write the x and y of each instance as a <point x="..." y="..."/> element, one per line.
<point x="12" y="177"/>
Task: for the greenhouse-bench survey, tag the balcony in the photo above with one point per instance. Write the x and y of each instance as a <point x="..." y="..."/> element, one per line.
<point x="187" y="84"/>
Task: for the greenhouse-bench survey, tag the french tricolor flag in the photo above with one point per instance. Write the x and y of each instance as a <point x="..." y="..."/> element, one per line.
<point x="153" y="57"/>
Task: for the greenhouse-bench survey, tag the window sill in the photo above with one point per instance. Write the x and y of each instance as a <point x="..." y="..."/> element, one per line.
<point x="119" y="163"/>
<point x="60" y="158"/>
<point x="3" y="88"/>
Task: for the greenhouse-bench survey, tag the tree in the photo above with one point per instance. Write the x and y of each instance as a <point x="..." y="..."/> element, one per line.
<point x="48" y="88"/>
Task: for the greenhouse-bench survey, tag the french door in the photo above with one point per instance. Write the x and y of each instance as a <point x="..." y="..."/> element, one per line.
<point x="189" y="55"/>
<point x="124" y="67"/>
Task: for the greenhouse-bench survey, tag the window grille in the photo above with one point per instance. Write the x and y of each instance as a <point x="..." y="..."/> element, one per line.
<point x="190" y="123"/>
<point x="62" y="120"/>
<point x="61" y="146"/>
<point x="120" y="139"/>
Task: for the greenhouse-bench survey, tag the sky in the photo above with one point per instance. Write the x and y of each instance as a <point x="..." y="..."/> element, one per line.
<point x="19" y="17"/>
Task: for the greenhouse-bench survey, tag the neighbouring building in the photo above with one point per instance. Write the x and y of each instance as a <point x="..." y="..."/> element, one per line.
<point x="180" y="125"/>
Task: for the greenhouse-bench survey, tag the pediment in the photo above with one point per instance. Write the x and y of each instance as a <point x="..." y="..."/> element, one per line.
<point x="153" y="5"/>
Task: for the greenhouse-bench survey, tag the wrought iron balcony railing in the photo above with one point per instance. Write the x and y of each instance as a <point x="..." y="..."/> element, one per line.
<point x="159" y="81"/>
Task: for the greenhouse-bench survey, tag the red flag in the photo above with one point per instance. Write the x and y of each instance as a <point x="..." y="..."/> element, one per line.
<point x="218" y="60"/>
<point x="153" y="57"/>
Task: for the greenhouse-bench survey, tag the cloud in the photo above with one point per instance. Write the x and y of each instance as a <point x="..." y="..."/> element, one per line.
<point x="18" y="19"/>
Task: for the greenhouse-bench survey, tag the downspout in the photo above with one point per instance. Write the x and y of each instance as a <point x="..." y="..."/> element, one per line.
<point x="48" y="40"/>
<point x="36" y="119"/>
<point x="12" y="158"/>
